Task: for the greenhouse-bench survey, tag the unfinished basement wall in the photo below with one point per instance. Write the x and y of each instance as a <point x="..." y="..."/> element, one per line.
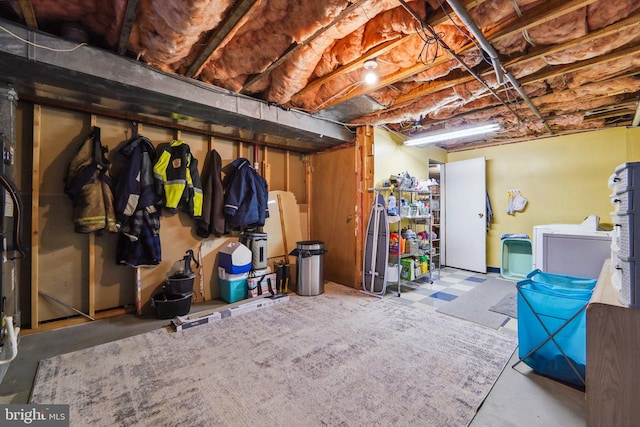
<point x="80" y="270"/>
<point x="564" y="179"/>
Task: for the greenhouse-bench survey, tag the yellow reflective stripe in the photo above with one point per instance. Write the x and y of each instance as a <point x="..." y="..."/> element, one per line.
<point x="160" y="168"/>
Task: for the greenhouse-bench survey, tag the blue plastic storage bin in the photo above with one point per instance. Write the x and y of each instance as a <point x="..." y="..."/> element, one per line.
<point x="552" y="325"/>
<point x="233" y="290"/>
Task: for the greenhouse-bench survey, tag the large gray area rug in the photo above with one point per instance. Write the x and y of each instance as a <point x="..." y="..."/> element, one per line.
<point x="475" y="305"/>
<point x="339" y="359"/>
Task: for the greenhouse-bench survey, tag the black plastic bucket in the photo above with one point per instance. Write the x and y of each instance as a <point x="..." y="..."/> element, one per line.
<point x="169" y="305"/>
<point x="179" y="284"/>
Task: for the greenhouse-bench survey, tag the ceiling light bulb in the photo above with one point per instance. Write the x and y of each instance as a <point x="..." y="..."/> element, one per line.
<point x="370" y="78"/>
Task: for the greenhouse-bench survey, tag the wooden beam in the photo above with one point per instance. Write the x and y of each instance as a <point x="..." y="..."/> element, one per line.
<point x="57" y="324"/>
<point x="296" y="47"/>
<point x="266" y="167"/>
<point x="35" y="214"/>
<point x="287" y="172"/>
<point x="580" y="65"/>
<point x="439" y="18"/>
<point x="541" y="52"/>
<point x="308" y="176"/>
<point x="544" y="12"/>
<point x="127" y="24"/>
<point x="26" y="7"/>
<point x="150" y="121"/>
<point x="540" y="14"/>
<point x="364" y="176"/>
<point x="92" y="256"/>
<point x="435" y="86"/>
<point x="223" y="31"/>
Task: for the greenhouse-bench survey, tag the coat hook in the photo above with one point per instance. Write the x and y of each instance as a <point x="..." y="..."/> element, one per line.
<point x="134" y="129"/>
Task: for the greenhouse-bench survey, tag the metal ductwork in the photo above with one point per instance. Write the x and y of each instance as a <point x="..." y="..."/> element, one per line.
<point x="484" y="43"/>
<point x="42" y="66"/>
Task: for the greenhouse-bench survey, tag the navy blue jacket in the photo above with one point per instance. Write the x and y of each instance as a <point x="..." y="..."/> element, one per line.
<point x="246" y="195"/>
<point x="137" y="206"/>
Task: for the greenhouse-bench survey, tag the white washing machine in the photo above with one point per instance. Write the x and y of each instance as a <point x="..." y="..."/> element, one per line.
<point x="571" y="249"/>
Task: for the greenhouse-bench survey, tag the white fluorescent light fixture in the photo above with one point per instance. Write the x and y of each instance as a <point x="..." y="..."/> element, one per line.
<point x="445" y="135"/>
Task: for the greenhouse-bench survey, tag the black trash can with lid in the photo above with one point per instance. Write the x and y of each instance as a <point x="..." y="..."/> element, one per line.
<point x="310" y="278"/>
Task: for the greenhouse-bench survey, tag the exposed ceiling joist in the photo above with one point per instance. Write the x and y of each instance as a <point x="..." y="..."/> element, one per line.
<point x="233" y="19"/>
<point x="543" y="13"/>
<point x="540" y="52"/>
<point x="26" y="7"/>
<point x="297" y="46"/>
<point x="297" y="57"/>
<point x="127" y="24"/>
<point x="580" y="65"/>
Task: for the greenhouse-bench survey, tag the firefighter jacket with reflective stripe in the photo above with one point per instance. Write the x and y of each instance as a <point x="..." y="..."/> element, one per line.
<point x="88" y="185"/>
<point x="177" y="179"/>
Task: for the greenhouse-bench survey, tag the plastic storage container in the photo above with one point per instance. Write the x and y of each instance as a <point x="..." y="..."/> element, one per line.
<point x="517" y="258"/>
<point x="235" y="258"/>
<point x="169" y="305"/>
<point x="257" y="243"/>
<point x="233" y="290"/>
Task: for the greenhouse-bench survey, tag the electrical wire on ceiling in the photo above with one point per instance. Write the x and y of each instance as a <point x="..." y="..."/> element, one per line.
<point x="428" y="40"/>
<point x="39" y="46"/>
<point x="457" y="57"/>
<point x="510" y="99"/>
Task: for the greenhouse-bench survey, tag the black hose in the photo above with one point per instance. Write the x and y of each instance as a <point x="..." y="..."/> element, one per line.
<point x="18" y="217"/>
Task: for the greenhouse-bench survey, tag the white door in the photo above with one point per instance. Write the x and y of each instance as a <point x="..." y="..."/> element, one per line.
<point x="465" y="200"/>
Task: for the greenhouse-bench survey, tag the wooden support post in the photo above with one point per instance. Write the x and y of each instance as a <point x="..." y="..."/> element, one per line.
<point x="287" y="171"/>
<point x="92" y="256"/>
<point x="35" y="215"/>
<point x="307" y="179"/>
<point x="266" y="167"/>
<point x="364" y="180"/>
<point x="210" y="140"/>
<point x="137" y="130"/>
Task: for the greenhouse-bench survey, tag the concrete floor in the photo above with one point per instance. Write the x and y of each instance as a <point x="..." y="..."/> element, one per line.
<point x="519" y="397"/>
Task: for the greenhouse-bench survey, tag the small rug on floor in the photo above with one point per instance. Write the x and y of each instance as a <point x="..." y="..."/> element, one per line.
<point x="339" y="358"/>
<point x="475" y="304"/>
<point x="507" y="305"/>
